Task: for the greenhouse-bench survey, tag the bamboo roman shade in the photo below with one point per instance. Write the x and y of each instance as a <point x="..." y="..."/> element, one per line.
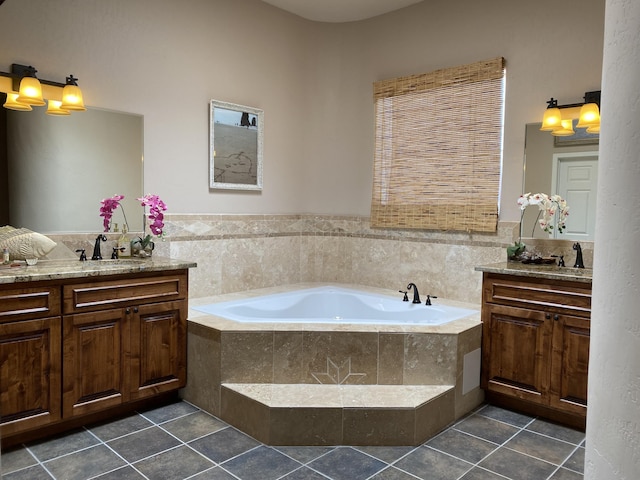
<point x="438" y="149"/>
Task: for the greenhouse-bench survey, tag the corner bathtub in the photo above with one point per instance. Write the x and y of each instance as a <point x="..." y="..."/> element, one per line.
<point x="329" y="304"/>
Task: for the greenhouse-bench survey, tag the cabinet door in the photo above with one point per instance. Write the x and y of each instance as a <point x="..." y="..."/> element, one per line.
<point x="570" y="363"/>
<point x="516" y="351"/>
<point x="158" y="348"/>
<point x="30" y="373"/>
<point x="95" y="345"/>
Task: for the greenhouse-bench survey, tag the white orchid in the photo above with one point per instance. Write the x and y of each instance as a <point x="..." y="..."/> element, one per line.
<point x="549" y="206"/>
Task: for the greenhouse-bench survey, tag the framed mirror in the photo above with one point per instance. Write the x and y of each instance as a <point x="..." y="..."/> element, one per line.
<point x="235" y="146"/>
<point x="54" y="171"/>
<point x="569" y="168"/>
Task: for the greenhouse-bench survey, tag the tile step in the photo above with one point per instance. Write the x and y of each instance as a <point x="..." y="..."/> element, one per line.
<point x="314" y="414"/>
<point x="339" y="396"/>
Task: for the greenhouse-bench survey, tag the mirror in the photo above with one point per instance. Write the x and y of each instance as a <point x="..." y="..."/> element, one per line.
<point x="567" y="166"/>
<point x="235" y="146"/>
<point x="57" y="169"/>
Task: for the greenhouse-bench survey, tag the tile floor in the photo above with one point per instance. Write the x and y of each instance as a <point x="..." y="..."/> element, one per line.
<point x="179" y="441"/>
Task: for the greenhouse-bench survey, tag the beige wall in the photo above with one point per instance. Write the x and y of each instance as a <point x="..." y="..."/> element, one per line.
<point x="166" y="59"/>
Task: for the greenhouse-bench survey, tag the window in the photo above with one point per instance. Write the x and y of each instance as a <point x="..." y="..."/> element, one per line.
<point x="438" y="149"/>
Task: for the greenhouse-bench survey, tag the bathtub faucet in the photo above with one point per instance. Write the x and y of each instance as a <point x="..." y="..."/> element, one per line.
<point x="416" y="295"/>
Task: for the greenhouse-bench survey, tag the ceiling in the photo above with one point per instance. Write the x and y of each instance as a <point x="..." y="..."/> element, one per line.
<point x="337" y="11"/>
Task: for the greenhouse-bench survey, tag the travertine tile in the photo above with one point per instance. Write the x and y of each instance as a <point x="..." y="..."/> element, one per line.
<point x="288" y="357"/>
<point x="430" y="359"/>
<point x="306" y="426"/>
<point x="341" y="357"/>
<point x="246" y="357"/>
<point x="246" y="414"/>
<point x="203" y="368"/>
<point x="434" y="416"/>
<point x="391" y="359"/>
<point x="370" y="426"/>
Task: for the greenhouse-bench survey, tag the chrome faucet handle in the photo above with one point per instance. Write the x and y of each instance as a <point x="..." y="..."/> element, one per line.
<point x="405" y="298"/>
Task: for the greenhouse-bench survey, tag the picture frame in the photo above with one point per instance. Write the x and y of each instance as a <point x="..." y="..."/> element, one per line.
<point x="236" y="135"/>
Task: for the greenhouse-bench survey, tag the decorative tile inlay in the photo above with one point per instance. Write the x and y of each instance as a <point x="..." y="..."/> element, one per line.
<point x="338" y="374"/>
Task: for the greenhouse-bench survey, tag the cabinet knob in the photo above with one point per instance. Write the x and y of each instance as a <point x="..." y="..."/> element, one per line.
<point x="547" y="316"/>
<point x="135" y="310"/>
<point x="127" y="311"/>
<point x="556" y="317"/>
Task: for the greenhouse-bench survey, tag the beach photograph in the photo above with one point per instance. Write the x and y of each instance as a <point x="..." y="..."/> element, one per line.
<point x="235" y="147"/>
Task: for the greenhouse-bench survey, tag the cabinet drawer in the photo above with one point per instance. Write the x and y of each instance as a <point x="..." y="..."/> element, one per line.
<point x="29" y="302"/>
<point x="562" y="297"/>
<point x="100" y="295"/>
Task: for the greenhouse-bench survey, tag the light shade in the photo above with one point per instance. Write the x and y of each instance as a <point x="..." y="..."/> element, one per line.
<point x="594" y="129"/>
<point x="589" y="116"/>
<point x="565" y="130"/>
<point x="30" y="92"/>
<point x="13" y="104"/>
<point x="551" y="120"/>
<point x="54" y="108"/>
<point x="72" y="98"/>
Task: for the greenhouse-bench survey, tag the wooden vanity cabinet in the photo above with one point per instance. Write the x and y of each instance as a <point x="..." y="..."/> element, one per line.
<point x="535" y="346"/>
<point x="30" y="363"/>
<point x="75" y="348"/>
<point x="135" y="350"/>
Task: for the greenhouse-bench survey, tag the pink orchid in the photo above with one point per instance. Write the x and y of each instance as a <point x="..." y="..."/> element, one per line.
<point x="156" y="207"/>
<point x="107" y="208"/>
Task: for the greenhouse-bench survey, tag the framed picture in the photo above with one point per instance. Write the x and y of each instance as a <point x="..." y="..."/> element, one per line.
<point x="235" y="146"/>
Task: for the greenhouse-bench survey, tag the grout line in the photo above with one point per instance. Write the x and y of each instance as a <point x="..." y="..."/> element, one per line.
<point x="498" y="446"/>
<point x="564" y="461"/>
<point x="117" y="454"/>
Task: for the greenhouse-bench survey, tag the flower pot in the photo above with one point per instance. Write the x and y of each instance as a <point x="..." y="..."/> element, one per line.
<point x="142" y="249"/>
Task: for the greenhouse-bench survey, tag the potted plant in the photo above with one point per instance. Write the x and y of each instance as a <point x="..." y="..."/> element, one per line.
<point x="143" y="246"/>
<point x="552" y="208"/>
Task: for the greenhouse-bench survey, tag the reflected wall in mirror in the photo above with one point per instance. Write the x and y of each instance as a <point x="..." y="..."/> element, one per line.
<point x="569" y="169"/>
<point x="235" y="146"/>
<point x="58" y="169"/>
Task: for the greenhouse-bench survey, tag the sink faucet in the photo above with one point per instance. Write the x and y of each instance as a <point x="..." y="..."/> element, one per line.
<point x="416" y="295"/>
<point x="97" y="254"/>
<point x="579" y="261"/>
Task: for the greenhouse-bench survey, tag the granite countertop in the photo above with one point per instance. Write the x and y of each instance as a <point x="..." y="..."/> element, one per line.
<point x="552" y="272"/>
<point x="19" y="271"/>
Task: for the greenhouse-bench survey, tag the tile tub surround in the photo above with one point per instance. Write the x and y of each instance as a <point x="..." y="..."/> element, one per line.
<point x="224" y="354"/>
<point x="243" y="252"/>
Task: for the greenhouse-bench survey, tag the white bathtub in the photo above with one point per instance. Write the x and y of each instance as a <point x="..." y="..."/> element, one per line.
<point x="334" y="305"/>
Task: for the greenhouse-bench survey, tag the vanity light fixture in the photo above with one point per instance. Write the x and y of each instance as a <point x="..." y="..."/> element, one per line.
<point x="558" y="119"/>
<point x="13" y="104"/>
<point x="55" y="108"/>
<point x="26" y="91"/>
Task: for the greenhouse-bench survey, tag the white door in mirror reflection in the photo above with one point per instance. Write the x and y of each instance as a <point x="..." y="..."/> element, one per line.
<point x="575" y="179"/>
